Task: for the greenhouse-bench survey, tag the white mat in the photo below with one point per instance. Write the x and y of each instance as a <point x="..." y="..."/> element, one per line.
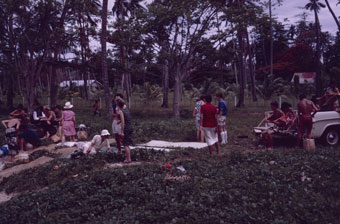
<point x="167" y="146"/>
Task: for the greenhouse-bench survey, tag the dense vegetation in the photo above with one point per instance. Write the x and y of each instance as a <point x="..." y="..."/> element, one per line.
<point x="279" y="187"/>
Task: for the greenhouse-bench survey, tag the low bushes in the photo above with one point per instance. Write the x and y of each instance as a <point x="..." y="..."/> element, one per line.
<point x="279" y="187"/>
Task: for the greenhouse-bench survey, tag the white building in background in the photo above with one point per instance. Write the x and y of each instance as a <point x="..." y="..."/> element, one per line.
<point x="304" y="78"/>
<point x="92" y="84"/>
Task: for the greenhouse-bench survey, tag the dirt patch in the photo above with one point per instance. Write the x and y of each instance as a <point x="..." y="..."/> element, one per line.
<point x="16" y="169"/>
<point x="119" y="165"/>
<point x="6" y="197"/>
<point x="65" y="151"/>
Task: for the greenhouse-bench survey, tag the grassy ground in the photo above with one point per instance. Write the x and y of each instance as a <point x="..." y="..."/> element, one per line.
<point x="242" y="185"/>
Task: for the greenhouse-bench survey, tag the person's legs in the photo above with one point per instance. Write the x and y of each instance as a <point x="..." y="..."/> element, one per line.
<point x="118" y="139"/>
<point x="219" y="130"/>
<point x="73" y="139"/>
<point x="202" y="135"/>
<point x="210" y="149"/>
<point x="301" y="130"/>
<point x="127" y="154"/>
<point x="62" y="139"/>
<point x="268" y="140"/>
<point x="217" y="147"/>
<point x="309" y="124"/>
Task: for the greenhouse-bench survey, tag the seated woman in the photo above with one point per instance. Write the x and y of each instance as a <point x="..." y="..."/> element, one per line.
<point x="17" y="112"/>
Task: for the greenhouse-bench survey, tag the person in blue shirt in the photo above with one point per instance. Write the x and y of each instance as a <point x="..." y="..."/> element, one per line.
<point x="222" y="113"/>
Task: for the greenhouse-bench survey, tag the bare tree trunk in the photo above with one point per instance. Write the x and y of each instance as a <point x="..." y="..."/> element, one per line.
<point x="334" y="16"/>
<point x="251" y="70"/>
<point x="176" y="99"/>
<point x="235" y="66"/>
<point x="240" y="102"/>
<point x="30" y="86"/>
<point x="10" y="93"/>
<point x="271" y="37"/>
<point x="104" y="61"/>
<point x="165" y="83"/>
<point x="318" y="56"/>
<point x="125" y="81"/>
<point x="165" y="75"/>
<point x="53" y="85"/>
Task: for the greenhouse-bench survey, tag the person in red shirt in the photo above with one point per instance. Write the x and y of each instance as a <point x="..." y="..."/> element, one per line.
<point x="209" y="124"/>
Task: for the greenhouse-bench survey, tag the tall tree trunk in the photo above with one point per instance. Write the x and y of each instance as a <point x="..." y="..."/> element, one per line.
<point x="176" y="99"/>
<point x="240" y="32"/>
<point x="240" y="102"/>
<point x="165" y="83"/>
<point x="165" y="75"/>
<point x="125" y="81"/>
<point x="235" y="66"/>
<point x="318" y="56"/>
<point x="334" y="16"/>
<point x="251" y="69"/>
<point x="10" y="93"/>
<point x="54" y="85"/>
<point x="104" y="61"/>
<point x="30" y="87"/>
<point x="271" y="37"/>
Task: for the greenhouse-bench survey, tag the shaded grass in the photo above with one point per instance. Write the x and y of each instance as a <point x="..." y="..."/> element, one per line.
<point x="235" y="188"/>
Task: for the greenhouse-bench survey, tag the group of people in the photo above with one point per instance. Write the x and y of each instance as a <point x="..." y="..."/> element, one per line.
<point x="26" y="132"/>
<point x="211" y="121"/>
<point x="285" y="119"/>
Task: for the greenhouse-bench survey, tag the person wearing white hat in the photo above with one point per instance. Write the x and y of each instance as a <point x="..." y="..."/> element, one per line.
<point x="68" y="121"/>
<point x="99" y="143"/>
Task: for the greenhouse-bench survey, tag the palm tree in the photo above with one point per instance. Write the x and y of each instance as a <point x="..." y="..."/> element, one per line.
<point x="104" y="59"/>
<point x="315" y="6"/>
<point x="122" y="9"/>
<point x="334" y="16"/>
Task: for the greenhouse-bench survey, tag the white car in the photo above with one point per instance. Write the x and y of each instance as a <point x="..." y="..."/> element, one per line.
<point x="326" y="126"/>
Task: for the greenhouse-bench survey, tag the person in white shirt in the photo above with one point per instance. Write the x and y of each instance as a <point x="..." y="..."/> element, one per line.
<point x="99" y="142"/>
<point x="37" y="115"/>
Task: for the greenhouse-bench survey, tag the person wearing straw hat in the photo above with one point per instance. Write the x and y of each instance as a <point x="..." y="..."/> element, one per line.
<point x="68" y="121"/>
<point x="99" y="143"/>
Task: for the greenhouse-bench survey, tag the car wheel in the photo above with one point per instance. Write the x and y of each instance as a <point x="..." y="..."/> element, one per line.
<point x="331" y="137"/>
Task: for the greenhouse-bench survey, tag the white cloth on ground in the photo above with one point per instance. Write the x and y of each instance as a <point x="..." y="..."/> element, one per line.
<point x="210" y="135"/>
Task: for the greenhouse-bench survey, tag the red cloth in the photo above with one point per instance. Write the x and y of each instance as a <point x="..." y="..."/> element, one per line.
<point x="209" y="112"/>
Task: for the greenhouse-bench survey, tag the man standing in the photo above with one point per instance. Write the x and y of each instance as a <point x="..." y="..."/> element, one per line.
<point x="221" y="119"/>
<point x="305" y="110"/>
<point x="209" y="124"/>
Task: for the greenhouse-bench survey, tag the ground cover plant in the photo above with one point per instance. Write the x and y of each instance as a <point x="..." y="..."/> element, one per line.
<point x="280" y="187"/>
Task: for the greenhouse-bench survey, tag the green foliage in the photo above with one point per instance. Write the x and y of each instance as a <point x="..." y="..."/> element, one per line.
<point x="170" y="129"/>
<point x="149" y="92"/>
<point x="236" y="188"/>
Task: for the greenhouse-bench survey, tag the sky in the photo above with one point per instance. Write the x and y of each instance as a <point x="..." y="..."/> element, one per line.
<point x="290" y="9"/>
